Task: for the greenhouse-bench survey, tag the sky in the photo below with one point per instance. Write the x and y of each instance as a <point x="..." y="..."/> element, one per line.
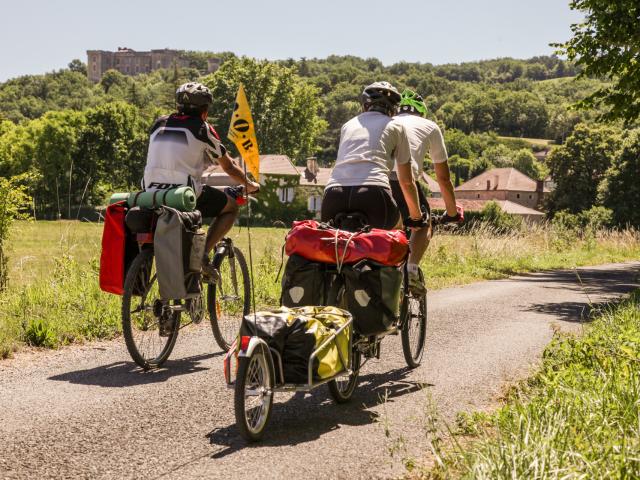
<point x="37" y="36"/>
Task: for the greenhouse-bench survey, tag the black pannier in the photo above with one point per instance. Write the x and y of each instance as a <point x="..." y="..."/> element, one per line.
<point x="372" y="296"/>
<point x="140" y="220"/>
<point x="305" y="283"/>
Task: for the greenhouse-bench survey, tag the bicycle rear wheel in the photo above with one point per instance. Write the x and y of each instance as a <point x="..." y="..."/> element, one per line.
<point x="342" y="389"/>
<point x="228" y="300"/>
<point x="142" y="312"/>
<point x="414" y="329"/>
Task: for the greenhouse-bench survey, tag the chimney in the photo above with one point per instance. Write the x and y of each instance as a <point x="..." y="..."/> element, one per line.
<point x="495" y="179"/>
<point x="312" y="165"/>
<point x="539" y="186"/>
<point x="488" y="184"/>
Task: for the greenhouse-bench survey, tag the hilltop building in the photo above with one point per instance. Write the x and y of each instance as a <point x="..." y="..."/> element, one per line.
<point x="130" y="62"/>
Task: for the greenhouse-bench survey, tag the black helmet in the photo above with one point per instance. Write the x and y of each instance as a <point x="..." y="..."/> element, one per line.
<point x="193" y="96"/>
<point x="381" y="97"/>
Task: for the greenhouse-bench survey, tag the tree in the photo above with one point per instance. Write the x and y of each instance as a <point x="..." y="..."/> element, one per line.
<point x="77" y="66"/>
<point x="605" y="45"/>
<point x="284" y="106"/>
<point x="111" y="78"/>
<point x="526" y="162"/>
<point x="620" y="189"/>
<point x="578" y="167"/>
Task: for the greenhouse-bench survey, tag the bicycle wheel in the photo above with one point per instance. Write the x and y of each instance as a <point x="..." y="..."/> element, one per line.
<point x="228" y="300"/>
<point x="253" y="396"/>
<point x="142" y="311"/>
<point x="342" y="389"/>
<point x="414" y="329"/>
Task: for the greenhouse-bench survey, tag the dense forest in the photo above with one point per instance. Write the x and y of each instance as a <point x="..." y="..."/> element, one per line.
<point x="73" y="141"/>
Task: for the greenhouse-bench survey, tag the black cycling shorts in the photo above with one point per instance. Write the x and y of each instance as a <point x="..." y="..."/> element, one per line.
<point x="373" y="201"/>
<point x="211" y="201"/>
<point x="398" y="196"/>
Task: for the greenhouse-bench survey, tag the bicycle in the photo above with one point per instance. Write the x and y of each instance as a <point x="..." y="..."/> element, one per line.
<point x="150" y="325"/>
<point x="259" y="373"/>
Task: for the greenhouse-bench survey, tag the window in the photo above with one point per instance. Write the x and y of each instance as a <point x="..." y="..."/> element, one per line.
<point x="517" y="195"/>
<point x="530" y="197"/>
<point x="478" y="195"/>
<point x="314" y="203"/>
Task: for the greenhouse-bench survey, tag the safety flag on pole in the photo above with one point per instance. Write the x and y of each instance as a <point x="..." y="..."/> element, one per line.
<point x="242" y="133"/>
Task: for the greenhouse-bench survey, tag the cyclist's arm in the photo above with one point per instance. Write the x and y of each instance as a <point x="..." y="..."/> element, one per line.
<point x="438" y="154"/>
<point x="232" y="169"/>
<point x="446" y="187"/>
<point x="409" y="190"/>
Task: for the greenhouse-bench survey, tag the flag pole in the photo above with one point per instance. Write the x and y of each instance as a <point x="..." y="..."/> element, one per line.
<point x="248" y="200"/>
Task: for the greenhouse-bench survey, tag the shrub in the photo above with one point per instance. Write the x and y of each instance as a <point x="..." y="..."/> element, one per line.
<point x="498" y="218"/>
<point x="13" y="201"/>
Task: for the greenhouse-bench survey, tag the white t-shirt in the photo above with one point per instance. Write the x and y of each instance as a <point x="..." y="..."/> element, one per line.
<point x="424" y="136"/>
<point x="180" y="149"/>
<point x="370" y="145"/>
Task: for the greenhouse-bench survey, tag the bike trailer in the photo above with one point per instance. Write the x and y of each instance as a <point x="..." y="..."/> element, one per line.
<point x="118" y="249"/>
<point x="321" y="243"/>
<point x="179" y="245"/>
<point x="309" y="344"/>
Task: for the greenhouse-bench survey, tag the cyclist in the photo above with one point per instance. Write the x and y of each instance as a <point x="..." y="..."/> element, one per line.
<point x="181" y="146"/>
<point x="424" y="136"/>
<point x="369" y="142"/>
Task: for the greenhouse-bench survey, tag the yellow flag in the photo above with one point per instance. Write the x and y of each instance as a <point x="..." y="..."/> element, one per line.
<point x="242" y="133"/>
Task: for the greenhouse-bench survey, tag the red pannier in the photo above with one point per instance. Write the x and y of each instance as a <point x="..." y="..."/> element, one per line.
<point x="317" y="242"/>
<point x="114" y="245"/>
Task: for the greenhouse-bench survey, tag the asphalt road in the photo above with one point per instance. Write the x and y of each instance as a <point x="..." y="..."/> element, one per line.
<point x="88" y="412"/>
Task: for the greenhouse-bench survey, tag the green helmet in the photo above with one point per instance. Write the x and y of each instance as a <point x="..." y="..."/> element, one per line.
<point x="411" y="102"/>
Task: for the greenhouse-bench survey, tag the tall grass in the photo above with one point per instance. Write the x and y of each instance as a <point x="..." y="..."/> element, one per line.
<point x="55" y="299"/>
<point x="579" y="417"/>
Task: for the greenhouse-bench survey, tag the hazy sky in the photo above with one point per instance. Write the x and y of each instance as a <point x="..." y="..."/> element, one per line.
<point x="37" y="36"/>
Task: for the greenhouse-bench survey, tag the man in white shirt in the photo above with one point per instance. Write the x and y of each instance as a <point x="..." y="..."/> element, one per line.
<point x="181" y="146"/>
<point x="371" y="144"/>
<point x="424" y="137"/>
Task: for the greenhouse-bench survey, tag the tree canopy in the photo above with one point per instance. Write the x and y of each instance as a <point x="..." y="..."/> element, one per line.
<point x="606" y="45"/>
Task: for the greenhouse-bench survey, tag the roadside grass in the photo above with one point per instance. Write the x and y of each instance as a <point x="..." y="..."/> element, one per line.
<point x="54" y="299"/>
<point x="578" y="417"/>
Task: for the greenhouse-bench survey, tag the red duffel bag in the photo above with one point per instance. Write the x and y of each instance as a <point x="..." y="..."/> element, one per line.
<point x="317" y="242"/>
<point x="114" y="241"/>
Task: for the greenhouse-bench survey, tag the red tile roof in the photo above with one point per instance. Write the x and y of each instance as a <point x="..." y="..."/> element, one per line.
<point x="431" y="183"/>
<point x="319" y="180"/>
<point x="269" y="165"/>
<point x="477" y="206"/>
<point x="501" y="179"/>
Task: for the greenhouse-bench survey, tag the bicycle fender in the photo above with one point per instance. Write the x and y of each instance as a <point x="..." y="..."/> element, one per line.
<point x="254" y="342"/>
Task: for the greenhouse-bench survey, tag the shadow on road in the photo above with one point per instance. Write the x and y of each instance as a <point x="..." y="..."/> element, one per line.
<point x="580" y="312"/>
<point x="594" y="283"/>
<point x="128" y="374"/>
<point x="319" y="413"/>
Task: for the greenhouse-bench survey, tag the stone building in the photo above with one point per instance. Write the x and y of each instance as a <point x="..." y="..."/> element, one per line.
<point x="506" y="184"/>
<point x="130" y="62"/>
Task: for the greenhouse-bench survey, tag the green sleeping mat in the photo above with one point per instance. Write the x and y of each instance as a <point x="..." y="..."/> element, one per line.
<point x="181" y="198"/>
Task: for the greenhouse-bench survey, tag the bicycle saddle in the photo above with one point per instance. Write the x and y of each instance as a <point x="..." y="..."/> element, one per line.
<point x="351" y="221"/>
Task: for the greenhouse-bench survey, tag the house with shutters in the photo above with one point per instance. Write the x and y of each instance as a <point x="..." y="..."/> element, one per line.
<point x="273" y="168"/>
<point x="504" y="184"/>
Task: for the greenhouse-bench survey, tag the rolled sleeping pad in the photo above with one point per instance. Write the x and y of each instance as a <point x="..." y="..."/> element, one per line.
<point x="181" y="198"/>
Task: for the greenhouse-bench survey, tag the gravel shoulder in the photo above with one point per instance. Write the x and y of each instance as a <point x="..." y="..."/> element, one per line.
<point x="88" y="412"/>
